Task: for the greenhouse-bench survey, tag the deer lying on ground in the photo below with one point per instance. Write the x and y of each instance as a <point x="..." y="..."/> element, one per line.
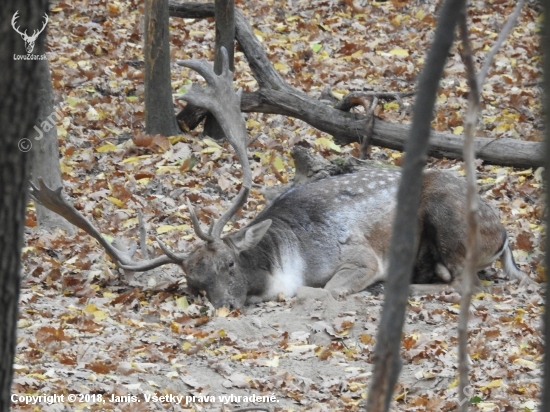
<point x="333" y="233"/>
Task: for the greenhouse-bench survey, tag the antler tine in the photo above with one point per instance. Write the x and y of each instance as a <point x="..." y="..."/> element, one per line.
<point x="202" y="67"/>
<point x="220" y="98"/>
<point x="54" y="201"/>
<point x="35" y="33"/>
<point x="14" y="22"/>
<point x="176" y="257"/>
<point x="196" y="224"/>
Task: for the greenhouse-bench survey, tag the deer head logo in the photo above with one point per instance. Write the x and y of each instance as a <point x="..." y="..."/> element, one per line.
<point x="29" y="40"/>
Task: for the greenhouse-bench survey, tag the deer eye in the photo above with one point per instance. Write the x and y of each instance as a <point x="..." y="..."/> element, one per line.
<point x="231" y="263"/>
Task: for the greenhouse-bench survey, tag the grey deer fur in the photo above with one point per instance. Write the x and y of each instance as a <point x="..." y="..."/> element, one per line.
<point x="332" y="233"/>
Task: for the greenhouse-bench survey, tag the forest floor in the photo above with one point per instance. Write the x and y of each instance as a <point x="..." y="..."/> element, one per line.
<point x="115" y="340"/>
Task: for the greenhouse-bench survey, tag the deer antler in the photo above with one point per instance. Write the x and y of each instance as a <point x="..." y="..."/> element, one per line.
<point x="53" y="200"/>
<point x="25" y="35"/>
<point x="35" y="33"/>
<point x="13" y="22"/>
<point x="220" y="98"/>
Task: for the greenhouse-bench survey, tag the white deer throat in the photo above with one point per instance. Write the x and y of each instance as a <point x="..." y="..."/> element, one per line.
<point x="286" y="277"/>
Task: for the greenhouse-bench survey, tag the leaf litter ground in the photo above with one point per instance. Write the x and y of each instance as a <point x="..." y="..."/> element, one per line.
<point x="86" y="329"/>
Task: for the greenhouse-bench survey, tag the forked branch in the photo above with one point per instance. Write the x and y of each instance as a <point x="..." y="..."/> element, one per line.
<point x="219" y="97"/>
<point x="54" y="201"/>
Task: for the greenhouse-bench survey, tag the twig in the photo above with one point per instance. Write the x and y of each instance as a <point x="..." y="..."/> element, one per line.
<point x="470" y="271"/>
<point x="510" y="23"/>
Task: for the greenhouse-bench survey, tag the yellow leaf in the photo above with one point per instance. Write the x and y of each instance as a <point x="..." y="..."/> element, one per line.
<point x="458" y="130"/>
<point x="327" y="144"/>
<point x="391" y="105"/>
<point x="116" y="201"/>
<point x="130" y="222"/>
<point x="61" y="131"/>
<point x="280" y="66"/>
<point x="99" y="315"/>
<point x="252" y="123"/>
<point x="107" y="147"/>
<point x="222" y="312"/>
<point x="399" y="52"/>
<point x="168" y="169"/>
<point x="238" y="356"/>
<point x="278" y="164"/>
<point x="420" y="14"/>
<point x="91" y="308"/>
<point x="182" y="303"/>
<point x="526" y="363"/>
<point x="65" y="168"/>
<point x="453" y="384"/>
<point x="168" y="228"/>
<point x="497" y="383"/>
<point x="23" y="323"/>
<point x="133" y="159"/>
<point x="211" y="143"/>
<point x="259" y="35"/>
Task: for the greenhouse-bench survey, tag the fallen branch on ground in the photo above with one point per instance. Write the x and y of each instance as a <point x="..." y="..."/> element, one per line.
<point x="275" y="96"/>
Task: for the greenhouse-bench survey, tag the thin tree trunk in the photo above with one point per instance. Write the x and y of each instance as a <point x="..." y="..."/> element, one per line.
<point x="45" y="148"/>
<point x="18" y="114"/>
<point x="159" y="107"/>
<point x="545" y="393"/>
<point x="404" y="242"/>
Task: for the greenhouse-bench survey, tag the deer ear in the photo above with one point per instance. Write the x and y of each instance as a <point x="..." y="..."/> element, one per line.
<point x="250" y="236"/>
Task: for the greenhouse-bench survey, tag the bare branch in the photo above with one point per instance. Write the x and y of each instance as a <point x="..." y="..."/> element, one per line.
<point x="471" y="264"/>
<point x="510" y="23"/>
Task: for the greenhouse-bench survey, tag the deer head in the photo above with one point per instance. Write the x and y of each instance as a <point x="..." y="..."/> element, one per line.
<point x="29" y="40"/>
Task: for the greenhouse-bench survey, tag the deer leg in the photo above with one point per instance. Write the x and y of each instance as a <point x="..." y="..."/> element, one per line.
<point x="355" y="275"/>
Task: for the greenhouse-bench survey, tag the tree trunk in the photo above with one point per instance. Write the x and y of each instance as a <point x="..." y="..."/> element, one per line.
<point x="404" y="244"/>
<point x="275" y="96"/>
<point x="159" y="107"/>
<point x="18" y="114"/>
<point x="545" y="393"/>
<point x="45" y="148"/>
